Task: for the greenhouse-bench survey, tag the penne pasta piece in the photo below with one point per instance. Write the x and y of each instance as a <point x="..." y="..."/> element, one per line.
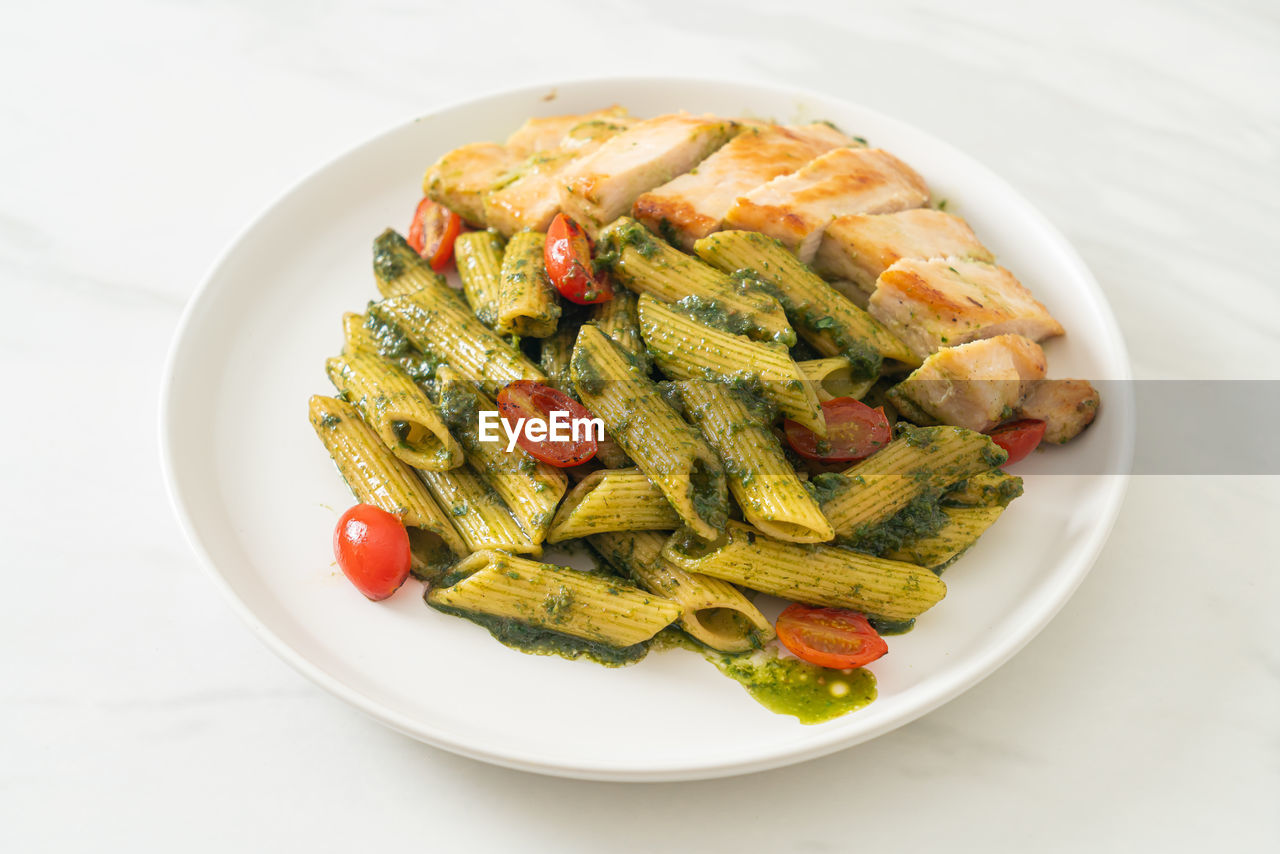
<point x="649" y="265"/>
<point x="833" y="377"/>
<point x="962" y="529"/>
<point x="437" y="321"/>
<point x="612" y="500"/>
<point x="398" y="269"/>
<point x="763" y="483"/>
<point x="988" y="489"/>
<point x="357" y="338"/>
<point x="823" y="317"/>
<point x="594" y="607"/>
<point x="920" y="462"/>
<point x="670" y="452"/>
<point x="814" y="574"/>
<point x="684" y="348"/>
<point x="527" y="303"/>
<point x="478" y="255"/>
<point x="619" y="319"/>
<point x="478" y="514"/>
<point x="378" y="478"/>
<point x="715" y="612"/>
<point x="530" y="489"/>
<point x="397" y="410"/>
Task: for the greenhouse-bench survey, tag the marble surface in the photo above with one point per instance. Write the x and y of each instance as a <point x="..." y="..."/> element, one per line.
<point x="137" y="712"/>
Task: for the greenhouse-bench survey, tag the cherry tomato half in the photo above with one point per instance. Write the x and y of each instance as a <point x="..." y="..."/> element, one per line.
<point x="829" y="637"/>
<point x="854" y="431"/>
<point x="372" y="547"/>
<point x="535" y="402"/>
<point x="1019" y="438"/>
<point x="432" y="232"/>
<point x="568" y="259"/>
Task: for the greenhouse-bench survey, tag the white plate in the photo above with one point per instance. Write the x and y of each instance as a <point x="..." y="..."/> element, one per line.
<point x="258" y="496"/>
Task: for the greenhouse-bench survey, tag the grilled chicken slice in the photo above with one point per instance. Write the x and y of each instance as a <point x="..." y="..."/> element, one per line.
<point x="796" y="208"/>
<point x="859" y="248"/>
<point x="948" y="301"/>
<point x="602" y="185"/>
<point x="462" y="178"/>
<point x="694" y="205"/>
<point x="550" y="133"/>
<point x="976" y="385"/>
<point x="533" y="199"/>
<point x="1066" y="407"/>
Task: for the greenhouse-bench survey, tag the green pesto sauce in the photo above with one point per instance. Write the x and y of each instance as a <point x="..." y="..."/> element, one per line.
<point x="785" y="686"/>
<point x="921" y="518"/>
<point x="713" y="313"/>
<point x="826" y="486"/>
<point x="789" y="686"/>
<point x="539" y="641"/>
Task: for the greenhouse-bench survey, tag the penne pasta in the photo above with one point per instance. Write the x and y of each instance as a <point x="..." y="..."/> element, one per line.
<point x="921" y="462"/>
<point x="715" y="612"/>
<point x="620" y="320"/>
<point x="683" y="348"/>
<point x="376" y="477"/>
<point x="963" y="527"/>
<point x="530" y="489"/>
<point x="763" y="483"/>
<point x="479" y="515"/>
<point x="670" y="452"/>
<point x="833" y="377"/>
<point x="612" y="500"/>
<point x="814" y="574"/>
<point x="649" y="265"/>
<point x="398" y="269"/>
<point x="827" y="320"/>
<point x="397" y="410"/>
<point x="478" y="255"/>
<point x="437" y="321"/>
<point x="527" y="303"/>
<point x="594" y="607"/>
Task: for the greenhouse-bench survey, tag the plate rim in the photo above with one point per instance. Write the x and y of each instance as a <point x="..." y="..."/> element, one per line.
<point x="953" y="682"/>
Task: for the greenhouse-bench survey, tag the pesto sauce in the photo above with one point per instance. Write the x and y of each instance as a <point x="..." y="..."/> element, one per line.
<point x="923" y="517"/>
<point x="713" y="313"/>
<point x="789" y="686"/>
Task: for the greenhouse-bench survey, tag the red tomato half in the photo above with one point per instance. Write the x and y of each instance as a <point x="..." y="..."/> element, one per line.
<point x="829" y="637"/>
<point x="568" y="259"/>
<point x="372" y="547"/>
<point x="432" y="232"/>
<point x="1019" y="438"/>
<point x="535" y="402"/>
<point x="854" y="431"/>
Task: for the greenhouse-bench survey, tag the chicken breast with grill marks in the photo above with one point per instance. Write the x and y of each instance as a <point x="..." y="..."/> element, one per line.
<point x="976" y="385"/>
<point x="944" y="302"/>
<point x="462" y="178"/>
<point x="797" y="208"/>
<point x="601" y="186"/>
<point x="859" y="248"/>
<point x="694" y="205"/>
<point x="550" y="133"/>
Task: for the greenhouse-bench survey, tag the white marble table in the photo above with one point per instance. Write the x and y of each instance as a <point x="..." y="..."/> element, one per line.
<point x="139" y="714"/>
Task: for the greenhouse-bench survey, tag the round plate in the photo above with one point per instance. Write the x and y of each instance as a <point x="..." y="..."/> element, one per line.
<point x="258" y="496"/>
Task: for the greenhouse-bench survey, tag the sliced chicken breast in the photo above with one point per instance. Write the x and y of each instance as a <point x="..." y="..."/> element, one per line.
<point x="944" y="302"/>
<point x="532" y="200"/>
<point x="976" y="385"/>
<point x="694" y="205"/>
<point x="602" y="186"/>
<point x="461" y="179"/>
<point x="796" y="208"/>
<point x="549" y="133"/>
<point x="1066" y="407"/>
<point x="860" y="247"/>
